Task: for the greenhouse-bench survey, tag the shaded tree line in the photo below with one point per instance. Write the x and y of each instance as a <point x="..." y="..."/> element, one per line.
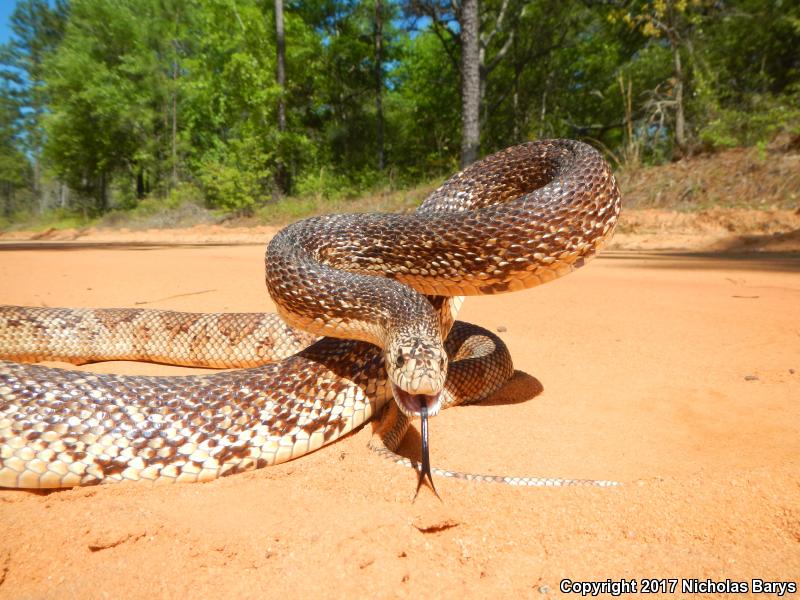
<point x="104" y="103"/>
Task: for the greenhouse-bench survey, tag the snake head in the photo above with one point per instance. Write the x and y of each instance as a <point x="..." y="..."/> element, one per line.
<point x="417" y="369"/>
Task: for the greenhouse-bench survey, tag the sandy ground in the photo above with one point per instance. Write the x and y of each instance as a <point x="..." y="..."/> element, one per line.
<point x="677" y="374"/>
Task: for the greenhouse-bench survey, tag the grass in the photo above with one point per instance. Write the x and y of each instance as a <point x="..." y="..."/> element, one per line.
<point x="297" y="207"/>
<point x="755" y="178"/>
<point x="152" y="213"/>
<point x="752" y="178"/>
<point x="55" y="219"/>
<point x="168" y="213"/>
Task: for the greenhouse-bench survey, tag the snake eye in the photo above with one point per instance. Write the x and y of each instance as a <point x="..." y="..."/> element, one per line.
<point x="400" y="361"/>
<point x="442" y="363"/>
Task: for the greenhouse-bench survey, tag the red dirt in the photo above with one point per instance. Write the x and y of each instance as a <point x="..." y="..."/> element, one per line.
<point x="678" y="375"/>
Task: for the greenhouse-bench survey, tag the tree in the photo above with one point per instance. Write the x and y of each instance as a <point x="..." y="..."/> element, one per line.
<point x="14" y="165"/>
<point x="37" y="30"/>
<point x="280" y="64"/>
<point x="379" y="119"/>
<point x="748" y="85"/>
<point x="167" y="99"/>
<point x="236" y="149"/>
<point x="470" y="83"/>
<point x="467" y="34"/>
<point x="535" y="70"/>
<point x="348" y="111"/>
<point x="424" y="108"/>
<point x="114" y="105"/>
<point x="280" y="78"/>
<point x="674" y="20"/>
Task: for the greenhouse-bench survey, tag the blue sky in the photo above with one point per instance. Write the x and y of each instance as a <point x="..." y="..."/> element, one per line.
<point x="6" y="8"/>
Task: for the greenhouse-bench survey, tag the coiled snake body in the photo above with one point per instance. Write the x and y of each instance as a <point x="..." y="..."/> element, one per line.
<point x="389" y="284"/>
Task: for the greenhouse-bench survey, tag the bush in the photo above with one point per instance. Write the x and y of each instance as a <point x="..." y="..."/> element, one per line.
<point x="753" y="127"/>
<point x="328" y="184"/>
<point x="229" y="187"/>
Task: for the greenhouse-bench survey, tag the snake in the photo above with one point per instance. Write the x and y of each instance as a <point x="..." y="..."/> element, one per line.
<point x="366" y="326"/>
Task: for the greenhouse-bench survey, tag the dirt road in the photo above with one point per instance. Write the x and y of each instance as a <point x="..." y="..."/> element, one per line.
<point x="678" y="375"/>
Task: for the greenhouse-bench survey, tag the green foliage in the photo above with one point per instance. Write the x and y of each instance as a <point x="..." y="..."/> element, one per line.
<point x="109" y="92"/>
<point x="232" y="185"/>
<point x="763" y="121"/>
<point x="230" y="103"/>
<point x="325" y="183"/>
<point x="38" y="29"/>
<point x="424" y="108"/>
<point x="181" y="207"/>
<point x="739" y="66"/>
<point x="134" y="103"/>
<point x="14" y="165"/>
<point x="56" y="218"/>
<point x="330" y="184"/>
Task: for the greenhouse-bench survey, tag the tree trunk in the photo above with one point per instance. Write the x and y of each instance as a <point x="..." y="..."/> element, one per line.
<point x="8" y="199"/>
<point x="63" y="195"/>
<point x="543" y="104"/>
<point x="174" y="112"/>
<point x="174" y="179"/>
<point x="280" y="75"/>
<point x="139" y="184"/>
<point x="470" y="83"/>
<point x="680" y="119"/>
<point x="281" y="172"/>
<point x="37" y="184"/>
<point x="102" y="194"/>
<point x="379" y="82"/>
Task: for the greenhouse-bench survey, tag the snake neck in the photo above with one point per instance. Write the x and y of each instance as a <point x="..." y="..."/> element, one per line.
<point x="321" y="296"/>
<point x="328" y="301"/>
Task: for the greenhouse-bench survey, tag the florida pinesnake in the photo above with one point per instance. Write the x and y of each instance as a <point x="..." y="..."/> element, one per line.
<point x="388" y="283"/>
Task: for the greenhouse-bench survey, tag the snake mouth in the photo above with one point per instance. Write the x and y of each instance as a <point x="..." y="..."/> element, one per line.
<point x="411" y="404"/>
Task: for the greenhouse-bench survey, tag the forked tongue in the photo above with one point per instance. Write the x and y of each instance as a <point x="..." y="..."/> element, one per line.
<point x="425" y="467"/>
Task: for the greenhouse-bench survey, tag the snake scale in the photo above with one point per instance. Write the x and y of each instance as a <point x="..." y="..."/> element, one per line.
<point x="383" y="288"/>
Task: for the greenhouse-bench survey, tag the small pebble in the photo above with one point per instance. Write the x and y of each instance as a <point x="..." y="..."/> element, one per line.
<point x="501" y="328"/>
<point x="791" y="371"/>
<point x="750" y="378"/>
<point x="544" y="589"/>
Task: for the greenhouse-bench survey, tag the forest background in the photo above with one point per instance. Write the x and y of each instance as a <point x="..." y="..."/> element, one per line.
<point x="245" y="106"/>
